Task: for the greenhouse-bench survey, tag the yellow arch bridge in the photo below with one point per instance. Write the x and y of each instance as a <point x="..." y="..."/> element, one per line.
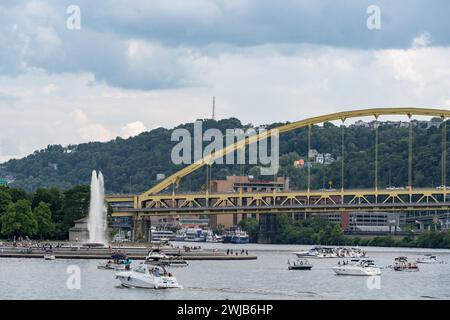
<point x="158" y="201"/>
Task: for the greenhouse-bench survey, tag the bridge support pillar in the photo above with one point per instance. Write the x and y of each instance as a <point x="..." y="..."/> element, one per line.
<point x="267" y="228"/>
<point x="141" y="229"/>
<point x="421" y="225"/>
<point x="137" y="226"/>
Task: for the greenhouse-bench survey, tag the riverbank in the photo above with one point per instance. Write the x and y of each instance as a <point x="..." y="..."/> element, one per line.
<point x="134" y="253"/>
<point x="320" y="231"/>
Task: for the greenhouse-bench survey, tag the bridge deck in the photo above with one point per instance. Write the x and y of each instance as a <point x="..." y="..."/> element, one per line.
<point x="293" y="201"/>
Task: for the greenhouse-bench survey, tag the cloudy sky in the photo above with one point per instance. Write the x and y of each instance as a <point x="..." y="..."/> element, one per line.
<point x="136" y="65"/>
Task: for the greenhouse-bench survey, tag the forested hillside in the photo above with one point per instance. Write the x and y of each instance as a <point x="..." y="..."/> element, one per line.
<point x="132" y="164"/>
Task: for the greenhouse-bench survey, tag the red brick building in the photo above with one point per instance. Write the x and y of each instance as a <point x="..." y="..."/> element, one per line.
<point x="247" y="184"/>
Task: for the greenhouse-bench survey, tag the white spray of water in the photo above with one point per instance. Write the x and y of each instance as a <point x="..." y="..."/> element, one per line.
<point x="97" y="210"/>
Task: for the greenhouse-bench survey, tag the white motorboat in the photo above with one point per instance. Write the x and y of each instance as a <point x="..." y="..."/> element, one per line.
<point x="211" y="237"/>
<point x="176" y="262"/>
<point x="157" y="257"/>
<point x="299" y="264"/>
<point x="402" y="264"/>
<point x="350" y="253"/>
<point x="111" y="265"/>
<point x="429" y="259"/>
<point x="49" y="257"/>
<point x="156" y="254"/>
<point x="357" y="267"/>
<point x="317" y="252"/>
<point x="118" y="261"/>
<point x="325" y="252"/>
<point x="148" y="276"/>
<point x="312" y="253"/>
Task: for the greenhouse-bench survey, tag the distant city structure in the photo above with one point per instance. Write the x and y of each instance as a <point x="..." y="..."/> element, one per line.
<point x="368" y="222"/>
<point x="244" y="184"/>
<point x="299" y="163"/>
<point x="320" y="158"/>
<point x="249" y="184"/>
<point x="6" y="180"/>
<point x="435" y="122"/>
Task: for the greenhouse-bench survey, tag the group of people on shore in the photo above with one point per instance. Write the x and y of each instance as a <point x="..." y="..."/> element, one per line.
<point x="32" y="244"/>
<point x="188" y="249"/>
<point x="230" y="252"/>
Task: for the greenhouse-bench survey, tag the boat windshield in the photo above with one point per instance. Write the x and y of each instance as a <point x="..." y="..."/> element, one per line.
<point x="140" y="269"/>
<point x="362" y="262"/>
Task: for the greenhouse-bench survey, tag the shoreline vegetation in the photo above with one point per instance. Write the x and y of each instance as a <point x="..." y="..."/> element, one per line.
<point x="318" y="231"/>
<point x="133" y="164"/>
<point x="48" y="214"/>
<point x="43" y="214"/>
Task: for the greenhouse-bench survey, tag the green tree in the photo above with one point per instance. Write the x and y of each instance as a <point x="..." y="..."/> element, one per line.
<point x="53" y="197"/>
<point x="18" y="194"/>
<point x="43" y="216"/>
<point x="251" y="226"/>
<point x="76" y="206"/>
<point x="219" y="229"/>
<point x="18" y="220"/>
<point x="5" y="200"/>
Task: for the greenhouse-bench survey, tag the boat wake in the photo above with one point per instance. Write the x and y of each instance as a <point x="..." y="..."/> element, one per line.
<point x="430" y="297"/>
<point x="297" y="294"/>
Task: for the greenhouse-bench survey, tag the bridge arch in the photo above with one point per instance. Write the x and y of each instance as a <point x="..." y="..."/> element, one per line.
<point x="375" y="112"/>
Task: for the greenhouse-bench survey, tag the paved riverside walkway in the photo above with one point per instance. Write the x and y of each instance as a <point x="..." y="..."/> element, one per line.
<point x="134" y="253"/>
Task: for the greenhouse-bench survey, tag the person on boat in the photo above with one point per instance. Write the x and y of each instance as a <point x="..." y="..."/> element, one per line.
<point x="339" y="263"/>
<point x="228" y="251"/>
<point x="246" y="252"/>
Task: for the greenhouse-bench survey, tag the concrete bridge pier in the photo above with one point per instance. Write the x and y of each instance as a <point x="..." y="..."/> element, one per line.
<point x="141" y="229"/>
<point x="421" y="225"/>
<point x="267" y="228"/>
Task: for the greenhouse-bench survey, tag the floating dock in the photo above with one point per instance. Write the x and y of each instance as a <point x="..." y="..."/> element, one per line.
<point x="132" y="253"/>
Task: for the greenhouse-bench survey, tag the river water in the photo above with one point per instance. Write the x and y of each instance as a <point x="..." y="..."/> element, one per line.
<point x="264" y="278"/>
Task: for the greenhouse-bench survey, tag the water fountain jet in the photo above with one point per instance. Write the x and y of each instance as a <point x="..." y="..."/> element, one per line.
<point x="97" y="224"/>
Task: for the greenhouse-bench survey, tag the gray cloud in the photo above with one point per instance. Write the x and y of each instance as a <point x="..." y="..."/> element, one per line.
<point x="145" y="64"/>
<point x="256" y="22"/>
<point x="174" y="34"/>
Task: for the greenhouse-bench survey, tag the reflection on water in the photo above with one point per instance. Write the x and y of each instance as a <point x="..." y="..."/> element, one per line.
<point x="265" y="278"/>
